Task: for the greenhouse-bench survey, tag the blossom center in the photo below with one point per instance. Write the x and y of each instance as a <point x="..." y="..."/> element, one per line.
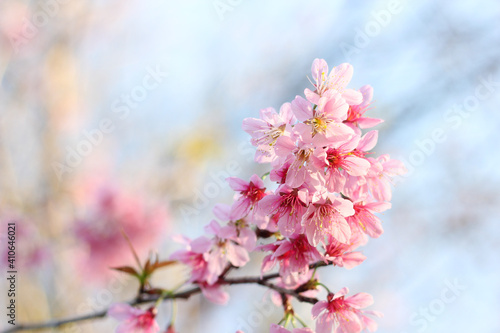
<point x="334" y="158"/>
<point x="145" y="320"/>
<point x="253" y="192"/>
<point x="319" y="125"/>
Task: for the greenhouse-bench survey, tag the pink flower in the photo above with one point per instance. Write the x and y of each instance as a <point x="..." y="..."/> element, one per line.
<point x="364" y="218"/>
<point x="225" y="250"/>
<point x="280" y="329"/>
<point x="207" y="261"/>
<point x="358" y="183"/>
<point x="239" y="231"/>
<point x="214" y="293"/>
<point x="298" y="152"/>
<point x="340" y="314"/>
<point x="99" y="232"/>
<point x="267" y="130"/>
<point x="367" y="142"/>
<point x="294" y="256"/>
<point x="356" y="113"/>
<point x="324" y="121"/>
<point x="337" y="81"/>
<point x="326" y="215"/>
<point x="340" y="162"/>
<point x="343" y="255"/>
<point x="380" y="174"/>
<point x="288" y="206"/>
<point x="208" y="258"/>
<point x="195" y="256"/>
<point x="250" y="193"/>
<point x="134" y="320"/>
<point x="278" y="174"/>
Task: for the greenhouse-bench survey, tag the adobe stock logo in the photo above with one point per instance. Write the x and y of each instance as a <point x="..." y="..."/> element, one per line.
<point x="258" y="316"/>
<point x="212" y="189"/>
<point x="363" y="37"/>
<point x="453" y="118"/>
<point x="428" y="314"/>
<point x="31" y="26"/>
<point x="120" y="108"/>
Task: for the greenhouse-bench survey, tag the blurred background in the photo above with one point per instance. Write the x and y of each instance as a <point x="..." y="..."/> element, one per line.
<point x="127" y="115"/>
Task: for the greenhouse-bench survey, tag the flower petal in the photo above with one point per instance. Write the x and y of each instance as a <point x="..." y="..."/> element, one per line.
<point x="360" y="300"/>
<point x="301" y="108"/>
<point x="318" y="308"/>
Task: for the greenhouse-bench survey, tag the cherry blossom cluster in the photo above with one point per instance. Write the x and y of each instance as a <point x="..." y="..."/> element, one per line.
<point x="319" y="206"/>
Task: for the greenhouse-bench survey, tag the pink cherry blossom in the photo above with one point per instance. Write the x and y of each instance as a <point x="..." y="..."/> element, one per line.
<point x="294" y="256"/>
<point x="356" y="112"/>
<point x="340" y="314"/>
<point x="268" y="129"/>
<point x="278" y="173"/>
<point x="364" y="218"/>
<point x="207" y="261"/>
<point x="378" y="178"/>
<point x="366" y="143"/>
<point x="250" y="193"/>
<point x="337" y="80"/>
<point x="195" y="256"/>
<point x="359" y="183"/>
<point x="214" y="293"/>
<point x="324" y="121"/>
<point x="343" y="255"/>
<point x="239" y="231"/>
<point x="288" y="206"/>
<point x="340" y="162"/>
<point x="326" y="215"/>
<point x="298" y="151"/>
<point x="225" y="249"/>
<point x="134" y="320"/>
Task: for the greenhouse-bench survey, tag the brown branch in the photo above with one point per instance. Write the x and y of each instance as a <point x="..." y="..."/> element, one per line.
<point x="264" y="281"/>
<point x="145" y="298"/>
<point x="58" y="323"/>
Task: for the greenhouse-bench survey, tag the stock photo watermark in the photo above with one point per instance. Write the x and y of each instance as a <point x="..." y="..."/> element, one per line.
<point x="32" y="24"/>
<point x="363" y="36"/>
<point x="120" y="107"/>
<point x="212" y="189"/>
<point x="98" y="302"/>
<point x="428" y="314"/>
<point x="255" y="318"/>
<point x="453" y="117"/>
